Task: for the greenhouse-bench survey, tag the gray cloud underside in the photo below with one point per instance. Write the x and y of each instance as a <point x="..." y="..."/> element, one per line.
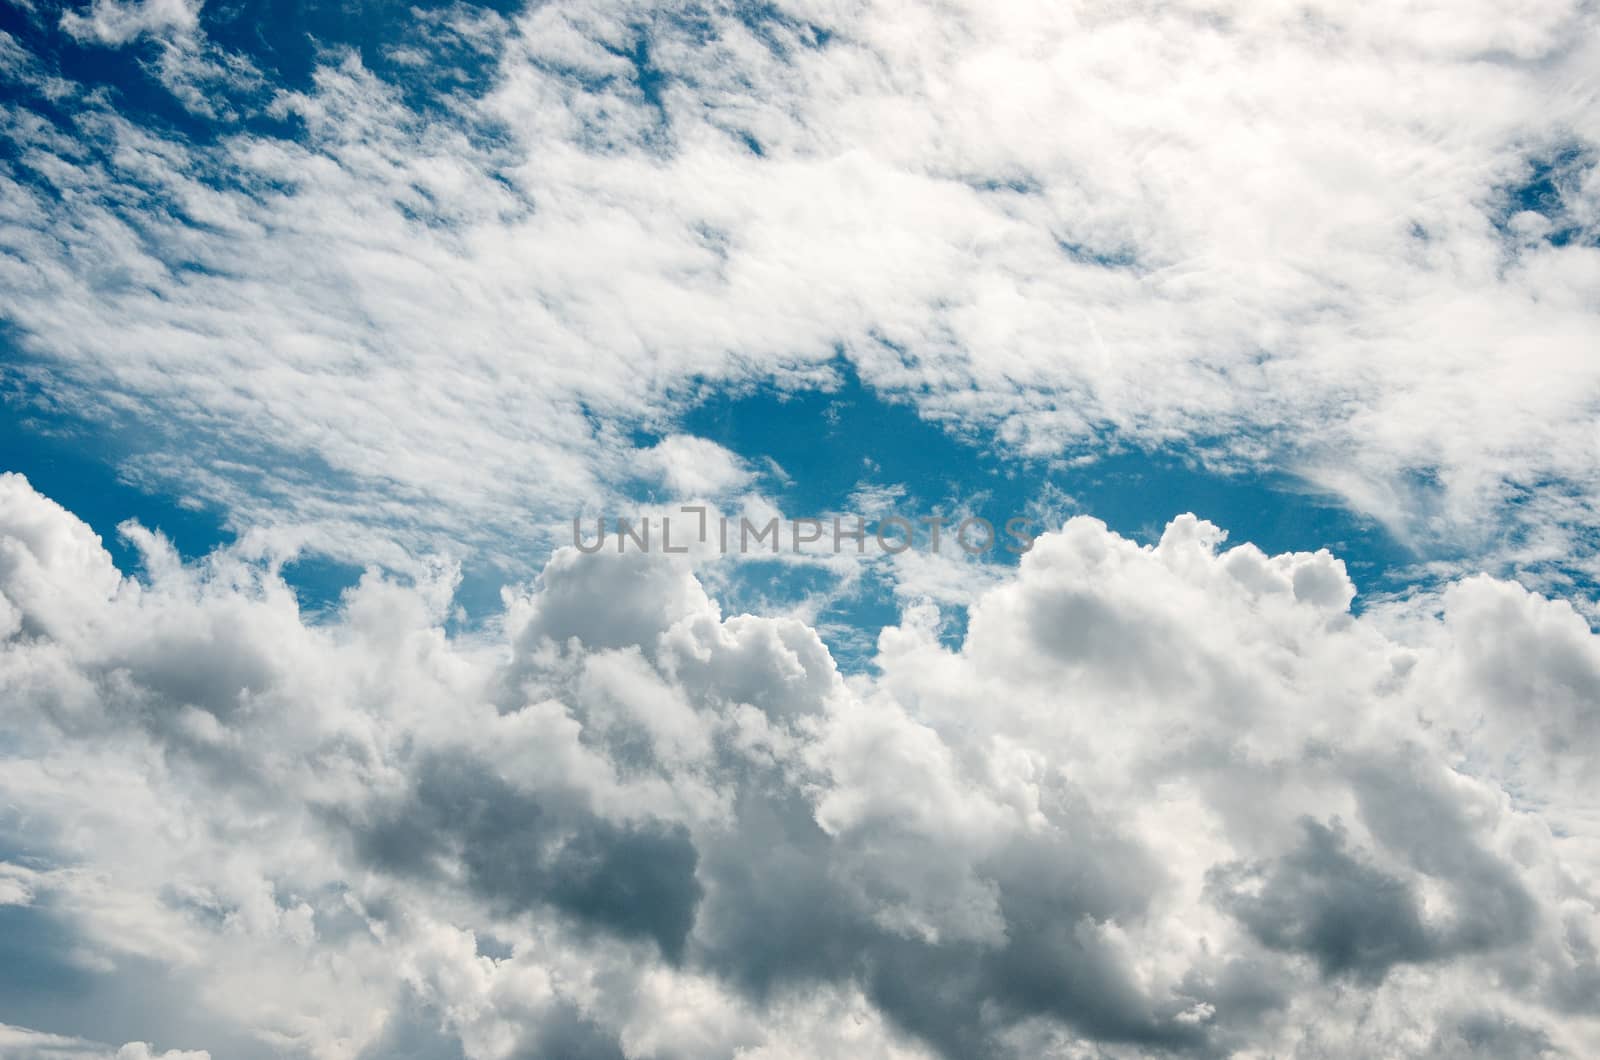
<point x="1163" y="800"/>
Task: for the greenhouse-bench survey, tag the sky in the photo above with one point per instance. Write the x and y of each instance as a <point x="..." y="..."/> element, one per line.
<point x="322" y="327"/>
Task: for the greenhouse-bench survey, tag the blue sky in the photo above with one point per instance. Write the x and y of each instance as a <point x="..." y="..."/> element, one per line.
<point x="319" y="324"/>
<point x="814" y="450"/>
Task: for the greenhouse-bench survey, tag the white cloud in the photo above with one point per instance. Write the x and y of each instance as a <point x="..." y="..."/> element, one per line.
<point x="1170" y="797"/>
<point x="23" y="1044"/>
<point x="117" y="22"/>
<point x="1221" y="219"/>
<point x="693" y="468"/>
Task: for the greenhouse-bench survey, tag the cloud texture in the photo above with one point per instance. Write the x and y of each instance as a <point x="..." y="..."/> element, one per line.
<point x="1162" y="800"/>
<point x="413" y="292"/>
<point x="422" y="289"/>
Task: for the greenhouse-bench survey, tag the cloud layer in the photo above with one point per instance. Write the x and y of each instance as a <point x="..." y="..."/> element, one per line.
<point x="1169" y="799"/>
<point x="424" y="290"/>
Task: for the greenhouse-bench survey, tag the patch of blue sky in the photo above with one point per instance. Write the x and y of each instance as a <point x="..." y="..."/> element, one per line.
<point x="127" y="76"/>
<point x="841" y="447"/>
<point x="778" y="30"/>
<point x="820" y="449"/>
<point x="1550" y="186"/>
<point x="427" y="51"/>
<point x="84" y="465"/>
<point x="77" y="463"/>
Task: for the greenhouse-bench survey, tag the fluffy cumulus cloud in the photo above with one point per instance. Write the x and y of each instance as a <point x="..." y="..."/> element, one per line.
<point x="419" y="284"/>
<point x="1169" y="799"/>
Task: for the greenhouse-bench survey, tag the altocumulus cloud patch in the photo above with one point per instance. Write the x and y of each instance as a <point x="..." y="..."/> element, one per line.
<point x="1247" y="822"/>
<point x="421" y="278"/>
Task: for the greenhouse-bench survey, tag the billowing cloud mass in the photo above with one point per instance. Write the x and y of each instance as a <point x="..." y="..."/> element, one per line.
<point x="1170" y="799"/>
